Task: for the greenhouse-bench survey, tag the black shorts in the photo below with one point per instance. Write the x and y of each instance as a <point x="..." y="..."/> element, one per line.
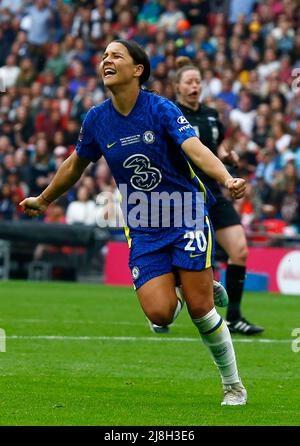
<point x="223" y="214"/>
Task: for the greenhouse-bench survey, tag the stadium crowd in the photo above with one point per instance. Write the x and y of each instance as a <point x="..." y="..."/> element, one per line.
<point x="249" y="55"/>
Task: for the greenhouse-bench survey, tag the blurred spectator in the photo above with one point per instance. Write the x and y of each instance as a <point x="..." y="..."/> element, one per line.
<point x="261" y="194"/>
<point x="82" y="25"/>
<point x="196" y="11"/>
<point x="169" y="19"/>
<point x="268" y="162"/>
<point x="23" y="126"/>
<point x="246" y="207"/>
<point x="150" y="12"/>
<point x="240" y="8"/>
<point x="261" y="130"/>
<point x="94" y="90"/>
<point x="7" y="207"/>
<point x="40" y="23"/>
<point x="55" y="214"/>
<point x="284" y="35"/>
<point x="288" y="203"/>
<point x="247" y="152"/>
<point x="23" y="168"/>
<point x="77" y="78"/>
<point x="5" y="147"/>
<point x="269" y="64"/>
<point x="82" y="210"/>
<point x="40" y="31"/>
<point x="49" y="123"/>
<point x="281" y="136"/>
<point x="48" y="84"/>
<point x="17" y="192"/>
<point x="10" y="71"/>
<point x="227" y="94"/>
<point x="60" y="154"/>
<point x="102" y="13"/>
<point x="40" y="167"/>
<point x="211" y="85"/>
<point x="125" y="26"/>
<point x="81" y="53"/>
<point x="244" y="115"/>
<point x="57" y="62"/>
<point x="103" y="176"/>
<point x="14" y="6"/>
<point x="27" y="73"/>
<point x="71" y="132"/>
<point x="219" y="8"/>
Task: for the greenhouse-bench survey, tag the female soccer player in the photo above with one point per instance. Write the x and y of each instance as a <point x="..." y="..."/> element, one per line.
<point x="147" y="142"/>
<point x="229" y="232"/>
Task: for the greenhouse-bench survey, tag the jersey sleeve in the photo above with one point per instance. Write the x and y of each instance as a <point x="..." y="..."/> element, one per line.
<point x="174" y="123"/>
<point x="87" y="146"/>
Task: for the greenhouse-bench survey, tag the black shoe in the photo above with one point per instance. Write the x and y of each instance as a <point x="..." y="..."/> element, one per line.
<point x="242" y="326"/>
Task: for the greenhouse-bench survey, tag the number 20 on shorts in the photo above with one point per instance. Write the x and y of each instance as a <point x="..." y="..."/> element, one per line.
<point x="200" y="239"/>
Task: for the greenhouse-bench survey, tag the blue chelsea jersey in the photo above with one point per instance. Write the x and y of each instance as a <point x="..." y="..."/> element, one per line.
<point x="142" y="149"/>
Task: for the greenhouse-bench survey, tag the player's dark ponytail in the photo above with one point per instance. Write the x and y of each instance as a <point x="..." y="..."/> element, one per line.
<point x="139" y="56"/>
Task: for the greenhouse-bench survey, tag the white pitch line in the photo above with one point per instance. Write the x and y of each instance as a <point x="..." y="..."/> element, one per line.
<point x="84" y="322"/>
<point x="135" y="339"/>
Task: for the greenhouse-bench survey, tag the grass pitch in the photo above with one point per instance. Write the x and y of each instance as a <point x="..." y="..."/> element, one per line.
<point x="81" y="354"/>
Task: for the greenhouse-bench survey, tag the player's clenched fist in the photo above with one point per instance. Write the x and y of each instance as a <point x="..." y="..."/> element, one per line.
<point x="236" y="187"/>
<point x="34" y="206"/>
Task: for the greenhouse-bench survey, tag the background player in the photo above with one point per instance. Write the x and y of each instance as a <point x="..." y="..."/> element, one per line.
<point x="147" y="143"/>
<point x="229" y="232"/>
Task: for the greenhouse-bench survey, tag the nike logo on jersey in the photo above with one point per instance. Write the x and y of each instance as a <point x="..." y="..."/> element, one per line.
<point x="110" y="145"/>
<point x="195" y="255"/>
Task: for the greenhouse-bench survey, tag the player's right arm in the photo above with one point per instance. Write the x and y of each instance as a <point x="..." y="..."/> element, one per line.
<point x="67" y="175"/>
<point x="184" y="135"/>
<point x="87" y="150"/>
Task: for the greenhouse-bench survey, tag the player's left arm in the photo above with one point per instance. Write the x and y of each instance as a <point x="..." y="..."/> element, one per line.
<point x="203" y="158"/>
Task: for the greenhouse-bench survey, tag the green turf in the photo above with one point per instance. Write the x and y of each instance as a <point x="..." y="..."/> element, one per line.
<point x="135" y="382"/>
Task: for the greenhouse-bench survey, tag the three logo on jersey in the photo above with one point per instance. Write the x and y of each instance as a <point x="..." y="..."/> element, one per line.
<point x="145" y="177"/>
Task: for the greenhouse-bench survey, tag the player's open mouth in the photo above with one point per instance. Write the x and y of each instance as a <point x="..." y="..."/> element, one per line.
<point x="109" y="72"/>
<point x="194" y="94"/>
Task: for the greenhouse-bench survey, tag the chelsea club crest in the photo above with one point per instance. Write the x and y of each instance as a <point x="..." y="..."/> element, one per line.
<point x="148" y="137"/>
